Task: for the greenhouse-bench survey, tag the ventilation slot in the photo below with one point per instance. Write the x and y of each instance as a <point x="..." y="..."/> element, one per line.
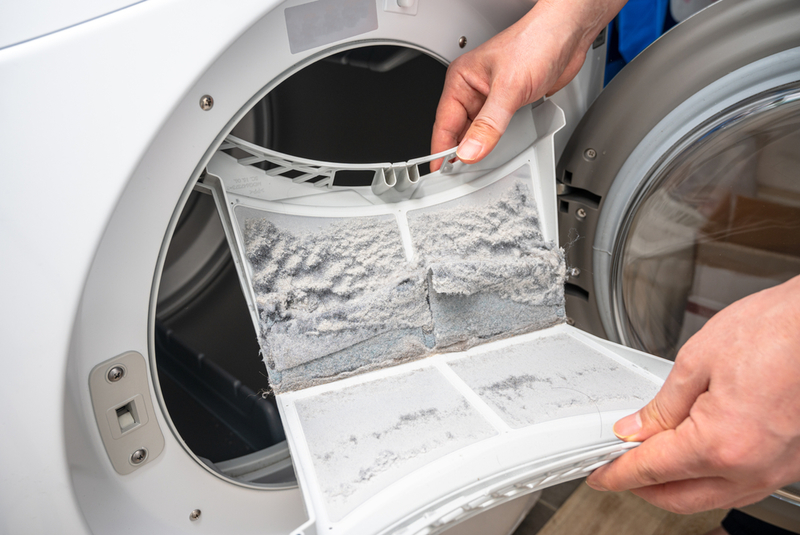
<point x="576" y="291"/>
<point x="384" y="176"/>
<point x="581" y="196"/>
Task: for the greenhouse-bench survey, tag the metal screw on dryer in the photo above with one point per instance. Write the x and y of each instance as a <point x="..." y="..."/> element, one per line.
<point x="115" y="374"/>
<point x="206" y="102"/>
<point x="138" y="456"/>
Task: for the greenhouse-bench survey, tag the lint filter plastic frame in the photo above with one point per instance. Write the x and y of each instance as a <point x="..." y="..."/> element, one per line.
<point x="418" y="447"/>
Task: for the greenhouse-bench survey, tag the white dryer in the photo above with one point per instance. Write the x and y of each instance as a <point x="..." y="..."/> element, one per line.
<point x="129" y="306"/>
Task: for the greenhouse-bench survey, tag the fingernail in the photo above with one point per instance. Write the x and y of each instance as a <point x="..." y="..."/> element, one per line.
<point x="628" y="426"/>
<point x="595" y="486"/>
<point x="469" y="150"/>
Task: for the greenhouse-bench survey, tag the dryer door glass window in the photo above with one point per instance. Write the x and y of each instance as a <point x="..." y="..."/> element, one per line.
<point x="720" y="221"/>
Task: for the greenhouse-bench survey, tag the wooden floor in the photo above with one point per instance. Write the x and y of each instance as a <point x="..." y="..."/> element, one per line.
<point x="588" y="512"/>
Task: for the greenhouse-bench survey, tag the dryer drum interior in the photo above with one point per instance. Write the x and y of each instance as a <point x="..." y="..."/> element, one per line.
<point x="368" y="104"/>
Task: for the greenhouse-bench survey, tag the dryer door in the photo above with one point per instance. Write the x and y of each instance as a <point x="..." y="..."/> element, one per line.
<point x="678" y="193"/>
<point x="686" y="157"/>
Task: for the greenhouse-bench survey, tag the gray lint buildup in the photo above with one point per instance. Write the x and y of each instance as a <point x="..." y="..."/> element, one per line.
<point x="552" y="378"/>
<point x="366" y="437"/>
<point x="490" y="273"/>
<point x="337" y="296"/>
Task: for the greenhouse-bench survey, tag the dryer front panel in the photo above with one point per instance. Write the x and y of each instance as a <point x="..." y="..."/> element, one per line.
<point x="151" y="169"/>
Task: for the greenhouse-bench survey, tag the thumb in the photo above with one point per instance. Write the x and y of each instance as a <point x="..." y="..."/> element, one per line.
<point x="486" y="128"/>
<point x="668" y="409"/>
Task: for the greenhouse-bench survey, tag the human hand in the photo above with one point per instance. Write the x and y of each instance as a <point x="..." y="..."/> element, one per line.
<point x="724" y="431"/>
<point x="537" y="55"/>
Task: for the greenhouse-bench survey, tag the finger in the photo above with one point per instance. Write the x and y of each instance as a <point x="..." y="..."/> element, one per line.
<point x="450" y="124"/>
<point x="443" y="140"/>
<point x="687" y="381"/>
<point x="672" y="455"/>
<point x="488" y="126"/>
<point x="457" y="104"/>
<point x="697" y="495"/>
<point x="747" y="500"/>
<point x="689" y="496"/>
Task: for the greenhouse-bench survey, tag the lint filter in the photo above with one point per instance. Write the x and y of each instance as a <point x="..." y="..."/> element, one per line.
<point x="414" y="332"/>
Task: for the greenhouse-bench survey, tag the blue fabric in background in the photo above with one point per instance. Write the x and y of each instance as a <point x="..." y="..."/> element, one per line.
<point x="638" y="24"/>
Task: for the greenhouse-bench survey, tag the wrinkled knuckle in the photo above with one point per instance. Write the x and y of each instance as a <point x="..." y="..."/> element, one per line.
<point x="647" y="475"/>
<point x="457" y="72"/>
<point x="687" y="357"/>
<point x="656" y="413"/>
<point x="456" y="65"/>
<point x="484" y="128"/>
<point x="766" y="479"/>
<point x="727" y="456"/>
<point x="689" y="503"/>
<point x="685" y="362"/>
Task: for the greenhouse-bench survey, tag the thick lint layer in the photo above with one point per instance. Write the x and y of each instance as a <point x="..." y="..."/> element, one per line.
<point x="337" y="297"/>
<point x="323" y="292"/>
<point x="490" y="272"/>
